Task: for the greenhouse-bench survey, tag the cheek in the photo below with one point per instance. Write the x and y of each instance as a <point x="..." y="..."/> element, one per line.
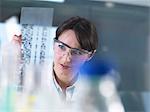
<point x="57" y="57"/>
<point x="78" y="63"/>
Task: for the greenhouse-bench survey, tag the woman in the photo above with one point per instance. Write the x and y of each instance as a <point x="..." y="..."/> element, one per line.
<point x="75" y="43"/>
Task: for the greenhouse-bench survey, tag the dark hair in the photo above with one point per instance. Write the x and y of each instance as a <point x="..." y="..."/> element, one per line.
<point x="85" y="32"/>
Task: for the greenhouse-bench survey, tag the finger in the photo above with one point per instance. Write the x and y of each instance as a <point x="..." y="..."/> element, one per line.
<point x="17" y="39"/>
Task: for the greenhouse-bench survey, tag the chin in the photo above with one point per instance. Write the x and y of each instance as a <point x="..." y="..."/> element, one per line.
<point x="66" y="73"/>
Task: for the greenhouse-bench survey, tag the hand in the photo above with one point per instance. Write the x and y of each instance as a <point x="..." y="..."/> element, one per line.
<point x="11" y="58"/>
<point x="17" y="39"/>
<point x="12" y="51"/>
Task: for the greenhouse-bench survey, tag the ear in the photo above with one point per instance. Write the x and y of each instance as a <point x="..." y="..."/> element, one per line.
<point x="91" y="55"/>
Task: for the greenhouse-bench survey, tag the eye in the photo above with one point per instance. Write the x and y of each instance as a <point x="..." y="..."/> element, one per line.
<point x="62" y="47"/>
<point x="77" y="52"/>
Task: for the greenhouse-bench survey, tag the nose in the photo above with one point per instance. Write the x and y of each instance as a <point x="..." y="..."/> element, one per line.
<point x="67" y="56"/>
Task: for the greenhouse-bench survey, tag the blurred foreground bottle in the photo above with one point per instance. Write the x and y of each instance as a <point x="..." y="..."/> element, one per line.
<point x="9" y="63"/>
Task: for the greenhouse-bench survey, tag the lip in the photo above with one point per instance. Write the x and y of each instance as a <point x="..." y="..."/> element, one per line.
<point x="65" y="66"/>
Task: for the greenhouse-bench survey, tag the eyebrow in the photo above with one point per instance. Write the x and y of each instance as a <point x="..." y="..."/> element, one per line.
<point x="64" y="44"/>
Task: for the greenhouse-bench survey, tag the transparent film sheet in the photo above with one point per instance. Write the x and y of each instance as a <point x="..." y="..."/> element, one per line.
<point x="36" y="30"/>
<point x="36" y="47"/>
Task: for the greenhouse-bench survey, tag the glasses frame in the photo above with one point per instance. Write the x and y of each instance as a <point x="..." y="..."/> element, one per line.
<point x="81" y="50"/>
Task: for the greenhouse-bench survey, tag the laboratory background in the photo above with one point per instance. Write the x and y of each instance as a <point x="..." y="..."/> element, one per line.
<point x="120" y="70"/>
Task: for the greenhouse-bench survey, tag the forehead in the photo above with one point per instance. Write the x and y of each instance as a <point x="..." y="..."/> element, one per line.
<point x="69" y="37"/>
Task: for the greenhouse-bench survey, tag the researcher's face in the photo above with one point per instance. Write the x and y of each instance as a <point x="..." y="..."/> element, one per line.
<point x="68" y="56"/>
